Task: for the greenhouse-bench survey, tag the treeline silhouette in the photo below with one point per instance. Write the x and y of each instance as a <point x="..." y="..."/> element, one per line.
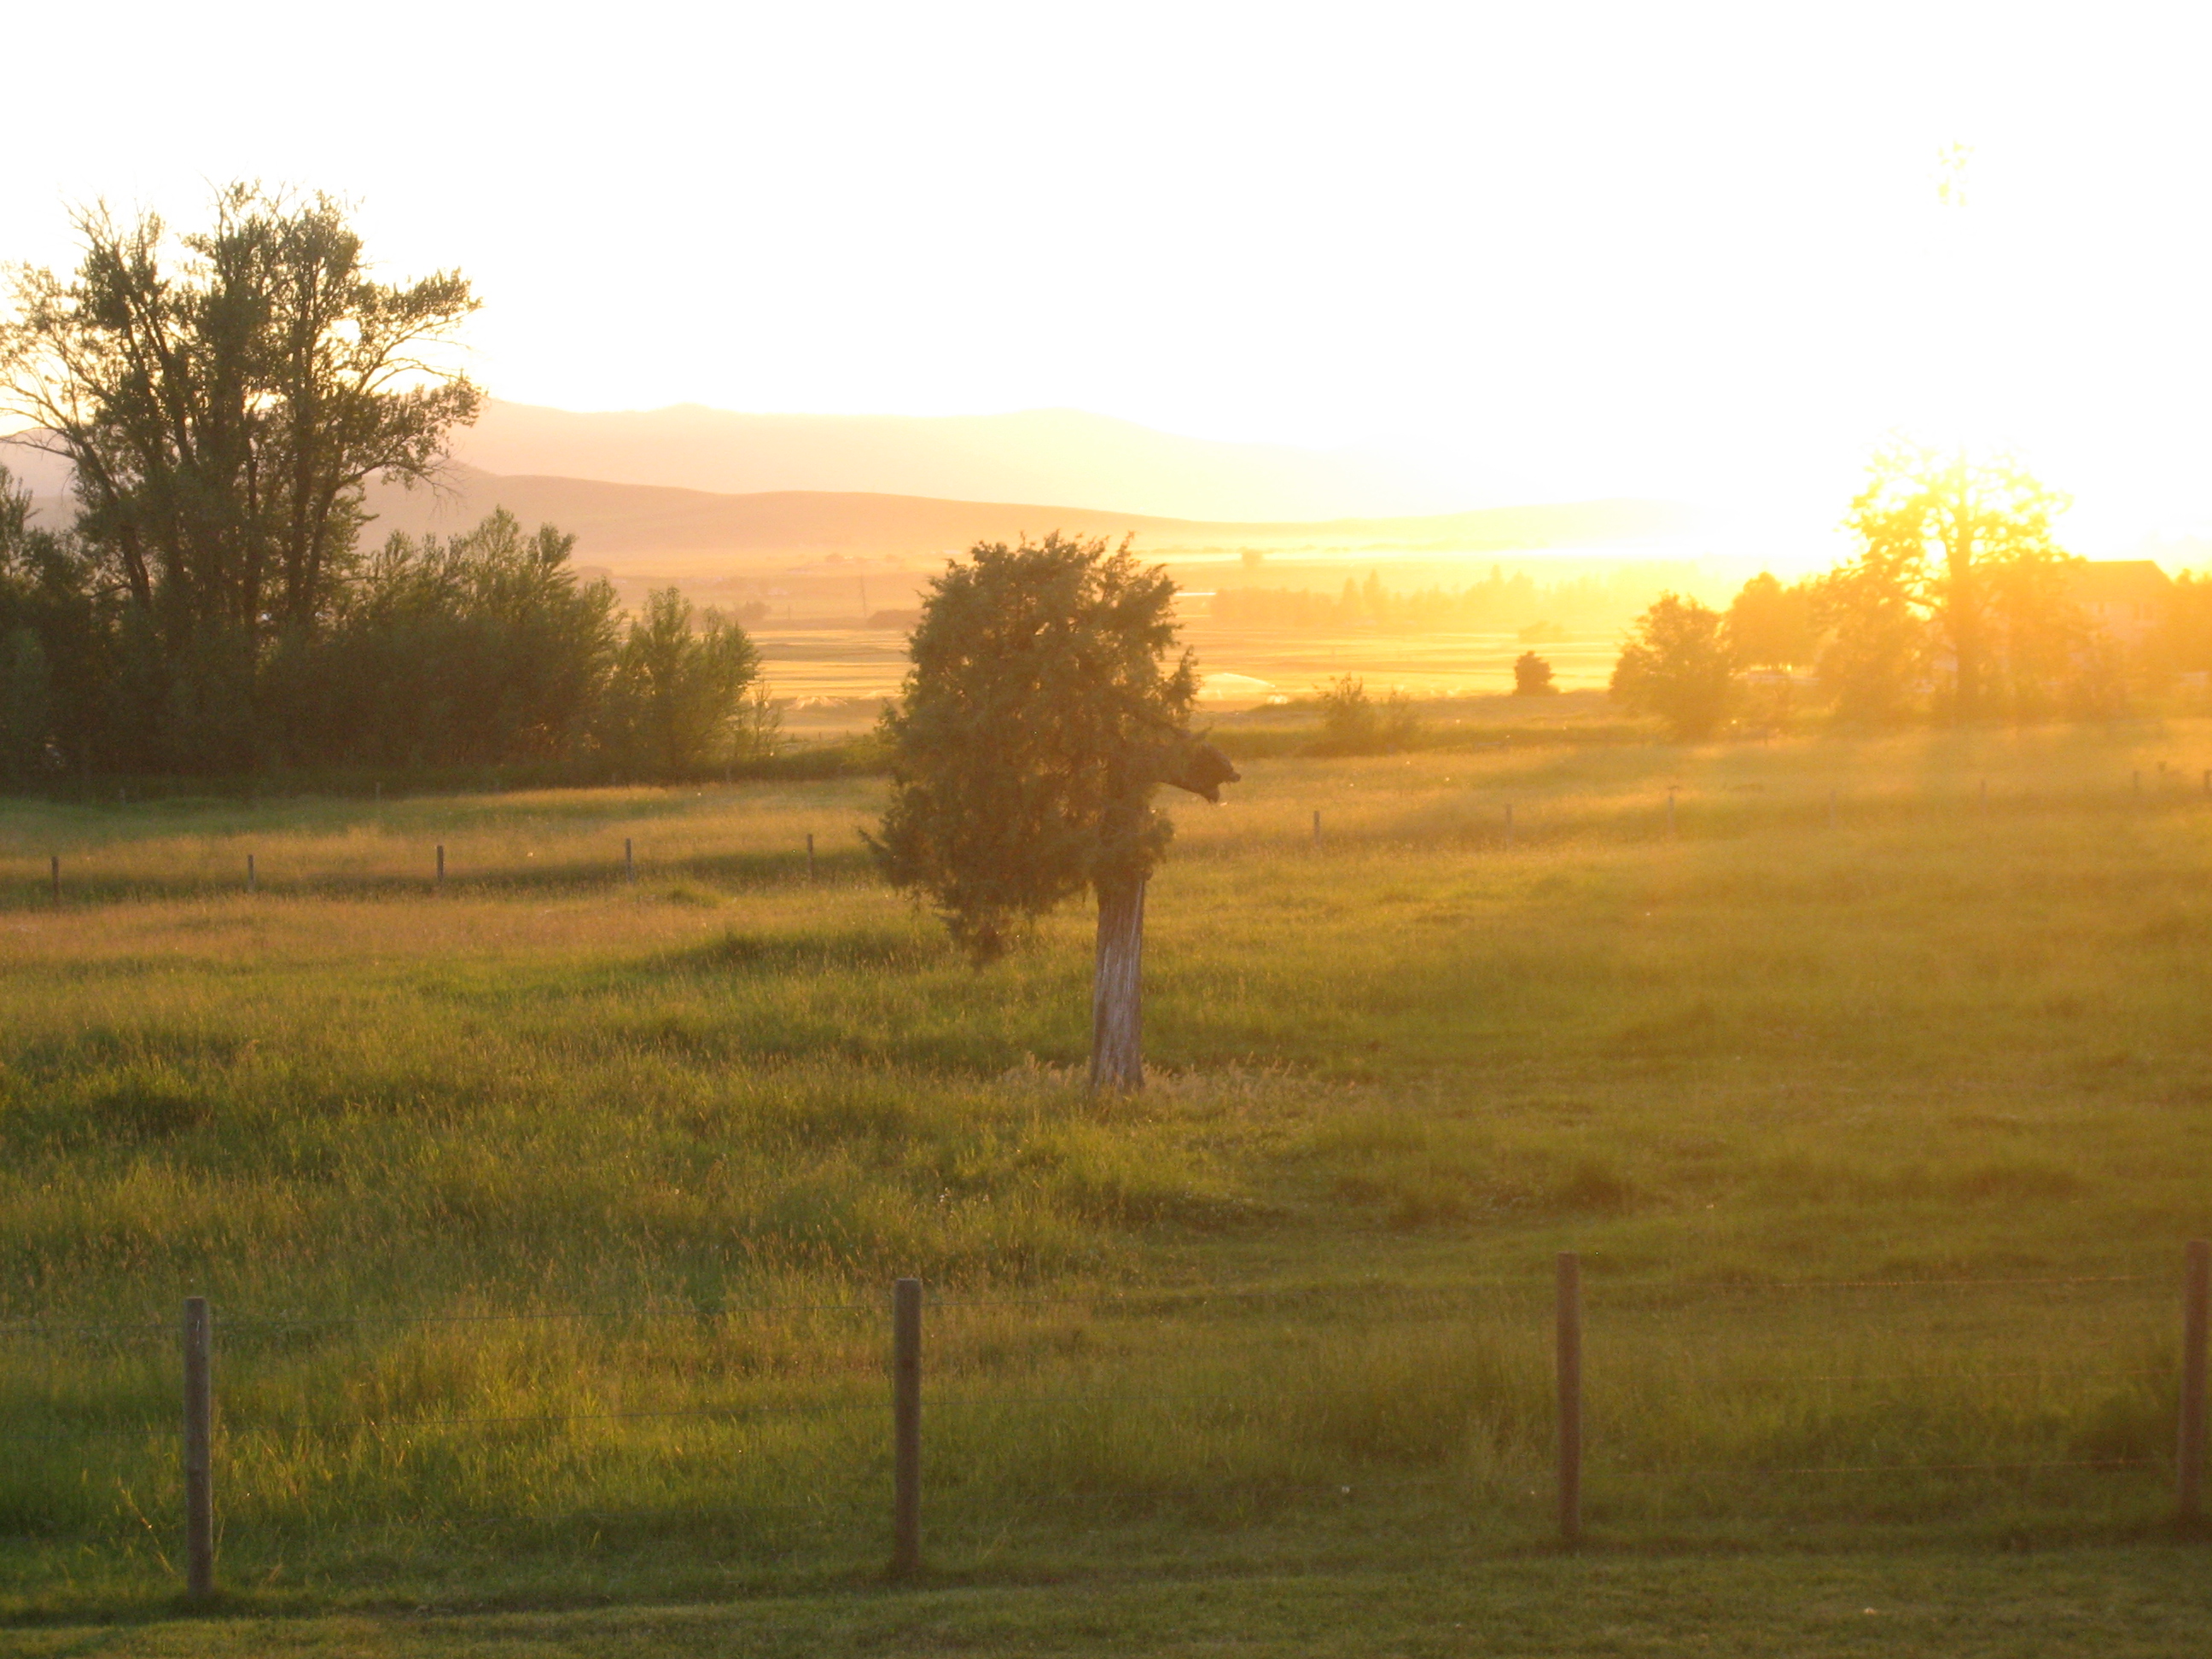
<point x="1499" y="600"/>
<point x="221" y="398"/>
<point x="480" y="649"/>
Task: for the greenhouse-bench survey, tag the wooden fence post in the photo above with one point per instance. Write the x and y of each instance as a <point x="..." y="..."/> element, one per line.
<point x="2188" y="1449"/>
<point x="441" y="864"/>
<point x="56" y="863"/>
<point x="810" y="855"/>
<point x="1568" y="1321"/>
<point x="630" y="863"/>
<point x="199" y="1466"/>
<point x="906" y="1427"/>
<point x="1316" y="827"/>
<point x="249" y="872"/>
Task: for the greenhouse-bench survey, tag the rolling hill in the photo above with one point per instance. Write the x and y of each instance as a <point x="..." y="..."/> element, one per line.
<point x="1032" y="455"/>
<point x="621" y="524"/>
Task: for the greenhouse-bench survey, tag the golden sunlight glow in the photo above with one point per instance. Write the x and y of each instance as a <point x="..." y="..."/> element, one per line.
<point x="1708" y="252"/>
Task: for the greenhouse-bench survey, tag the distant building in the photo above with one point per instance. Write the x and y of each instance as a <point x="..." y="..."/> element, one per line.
<point x="2126" y="598"/>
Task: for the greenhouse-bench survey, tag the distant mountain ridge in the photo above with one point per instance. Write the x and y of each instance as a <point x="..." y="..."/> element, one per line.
<point x="626" y="523"/>
<point x="1032" y="455"/>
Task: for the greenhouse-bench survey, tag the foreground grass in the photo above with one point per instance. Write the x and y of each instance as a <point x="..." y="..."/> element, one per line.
<point x="2148" y="1602"/>
<point x="549" y="1217"/>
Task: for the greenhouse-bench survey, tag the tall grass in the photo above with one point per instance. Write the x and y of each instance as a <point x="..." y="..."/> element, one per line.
<point x="549" y="1219"/>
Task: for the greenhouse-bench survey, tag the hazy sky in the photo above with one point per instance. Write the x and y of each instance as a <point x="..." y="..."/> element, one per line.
<point x="1561" y="250"/>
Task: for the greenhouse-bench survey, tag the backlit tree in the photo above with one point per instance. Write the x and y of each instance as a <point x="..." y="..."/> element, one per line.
<point x="1047" y="703"/>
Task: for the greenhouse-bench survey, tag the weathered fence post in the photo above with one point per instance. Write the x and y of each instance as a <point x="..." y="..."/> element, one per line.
<point x="56" y="864"/>
<point x="906" y="1427"/>
<point x="249" y="872"/>
<point x="1567" y="1320"/>
<point x="2188" y="1448"/>
<point x="810" y="855"/>
<point x="441" y="864"/>
<point x="199" y="1466"/>
<point x="629" y="862"/>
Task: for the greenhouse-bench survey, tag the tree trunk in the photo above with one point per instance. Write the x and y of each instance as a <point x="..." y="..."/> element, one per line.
<point x="1117" y="1036"/>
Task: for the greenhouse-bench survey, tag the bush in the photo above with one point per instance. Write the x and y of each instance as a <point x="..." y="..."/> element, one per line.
<point x="1676" y="664"/>
<point x="1352" y="723"/>
<point x="1532" y="675"/>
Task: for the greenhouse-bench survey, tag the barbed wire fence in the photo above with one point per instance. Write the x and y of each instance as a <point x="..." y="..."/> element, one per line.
<point x="1603" y="1453"/>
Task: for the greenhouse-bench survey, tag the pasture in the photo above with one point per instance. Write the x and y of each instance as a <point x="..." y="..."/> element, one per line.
<point x="549" y="1218"/>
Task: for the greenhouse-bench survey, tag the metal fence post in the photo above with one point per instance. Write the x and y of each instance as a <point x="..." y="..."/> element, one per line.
<point x="2188" y="1448"/>
<point x="906" y="1427"/>
<point x="1569" y="1321"/>
<point x="199" y="1468"/>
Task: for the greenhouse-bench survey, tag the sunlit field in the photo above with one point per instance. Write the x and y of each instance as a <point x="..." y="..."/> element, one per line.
<point x="549" y="1218"/>
<point x="832" y="682"/>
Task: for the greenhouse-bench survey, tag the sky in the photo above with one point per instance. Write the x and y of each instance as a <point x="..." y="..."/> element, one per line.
<point x="1549" y="251"/>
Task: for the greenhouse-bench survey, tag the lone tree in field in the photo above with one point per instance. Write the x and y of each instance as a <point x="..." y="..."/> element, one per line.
<point x="1046" y="704"/>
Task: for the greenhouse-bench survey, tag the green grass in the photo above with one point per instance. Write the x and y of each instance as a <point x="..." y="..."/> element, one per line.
<point x="2135" y="1604"/>
<point x="550" y="1219"/>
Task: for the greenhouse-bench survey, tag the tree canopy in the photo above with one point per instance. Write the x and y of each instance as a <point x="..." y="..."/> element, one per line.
<point x="223" y="396"/>
<point x="1676" y="664"/>
<point x="1971" y="540"/>
<point x="1046" y="703"/>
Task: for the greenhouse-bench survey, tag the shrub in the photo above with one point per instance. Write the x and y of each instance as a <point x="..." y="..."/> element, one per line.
<point x="1352" y="723"/>
<point x="1532" y="675"/>
<point x="1676" y="664"/>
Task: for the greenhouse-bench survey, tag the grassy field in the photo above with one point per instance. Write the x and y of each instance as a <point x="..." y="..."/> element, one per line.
<point x="550" y="1219"/>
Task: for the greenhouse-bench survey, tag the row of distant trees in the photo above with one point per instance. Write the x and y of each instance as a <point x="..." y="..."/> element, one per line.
<point x="1499" y="599"/>
<point x="1958" y="604"/>
<point x="222" y="400"/>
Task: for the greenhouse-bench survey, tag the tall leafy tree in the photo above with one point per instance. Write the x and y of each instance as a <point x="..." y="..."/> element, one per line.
<point x="223" y="397"/>
<point x="1047" y="703"/>
<point x="1976" y="537"/>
